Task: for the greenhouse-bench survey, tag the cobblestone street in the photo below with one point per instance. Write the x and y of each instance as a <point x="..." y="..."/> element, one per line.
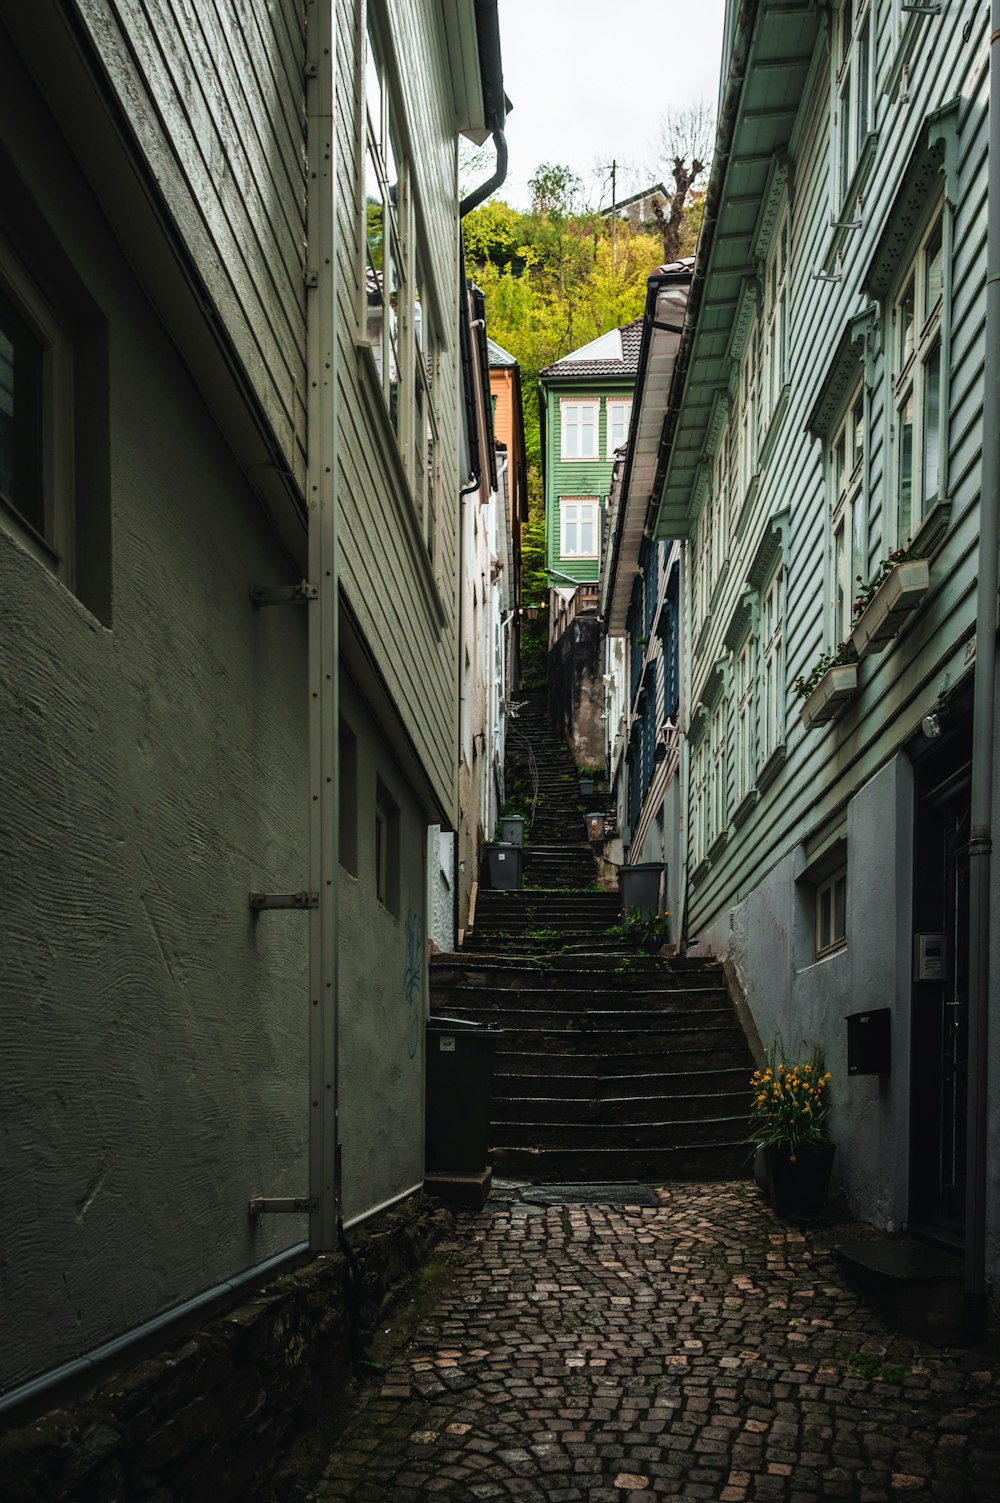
<point x="699" y="1350"/>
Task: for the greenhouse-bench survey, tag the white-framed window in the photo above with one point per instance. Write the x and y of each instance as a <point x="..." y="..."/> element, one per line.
<point x="853" y="55"/>
<point x="397" y="320"/>
<point x="772" y="678"/>
<point x="918" y="417"/>
<point x="746" y="683"/>
<point x="845" y="465"/>
<point x="831" y="913"/>
<point x="578" y="522"/>
<point x="699" y="800"/>
<point x="36" y="421"/>
<point x="748" y="401"/>
<point x="717" y="810"/>
<point x="579" y="428"/>
<point x="775" y="353"/>
<point x="724" y="511"/>
<point x="619" y="416"/>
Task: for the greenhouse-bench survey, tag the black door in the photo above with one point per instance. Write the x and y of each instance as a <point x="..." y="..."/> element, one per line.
<point x="940" y="996"/>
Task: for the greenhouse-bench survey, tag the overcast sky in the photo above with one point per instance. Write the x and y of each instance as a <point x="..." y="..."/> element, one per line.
<point x="589" y="80"/>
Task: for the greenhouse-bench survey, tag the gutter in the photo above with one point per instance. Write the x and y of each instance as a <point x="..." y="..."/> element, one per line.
<point x="496" y="105"/>
<point x="983" y="718"/>
<point x="728" y="113"/>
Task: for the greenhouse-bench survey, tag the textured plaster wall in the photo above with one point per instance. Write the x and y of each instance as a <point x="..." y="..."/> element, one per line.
<point x="806" y="1001"/>
<point x="154" y="1067"/>
<point x="576" y="689"/>
<point x="441" y="887"/>
<point x="382" y="987"/>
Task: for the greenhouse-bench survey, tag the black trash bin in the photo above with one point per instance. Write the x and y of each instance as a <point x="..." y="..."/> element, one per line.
<point x="640" y="886"/>
<point x="460" y="1057"/>
<point x="503" y="866"/>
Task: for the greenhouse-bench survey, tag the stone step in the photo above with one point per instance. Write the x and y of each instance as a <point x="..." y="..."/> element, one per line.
<point x="704" y="1161"/>
<point x="660" y="1038"/>
<point x="563" y="1014"/>
<point x="614" y="1087"/>
<point x="645" y="1061"/>
<point x="577" y="975"/>
<point x="607" y="1110"/>
<point x="666" y="1133"/>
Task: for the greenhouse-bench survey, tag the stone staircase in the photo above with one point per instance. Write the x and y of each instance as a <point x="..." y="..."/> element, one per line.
<point x="611" y="1064"/>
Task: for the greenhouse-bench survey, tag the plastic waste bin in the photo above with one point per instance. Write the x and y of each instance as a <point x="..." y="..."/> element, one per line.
<point x="513" y="829"/>
<point x="504" y="866"/>
<point x="640" y="887"/>
<point x="460" y="1059"/>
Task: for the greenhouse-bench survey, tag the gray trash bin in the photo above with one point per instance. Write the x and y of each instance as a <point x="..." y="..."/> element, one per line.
<point x="504" y="866"/>
<point x="460" y="1059"/>
<point x="513" y="829"/>
<point x="640" y="886"/>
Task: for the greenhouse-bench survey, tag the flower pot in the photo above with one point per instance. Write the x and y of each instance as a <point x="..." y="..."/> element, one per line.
<point x="835" y="688"/>
<point x="795" y="1185"/>
<point x="899" y="593"/>
<point x="652" y="944"/>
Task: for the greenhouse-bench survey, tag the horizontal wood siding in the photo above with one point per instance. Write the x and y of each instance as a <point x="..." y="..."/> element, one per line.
<point x="214" y="92"/>
<point x="586" y="478"/>
<point x="825" y="766"/>
<point x="405" y="605"/>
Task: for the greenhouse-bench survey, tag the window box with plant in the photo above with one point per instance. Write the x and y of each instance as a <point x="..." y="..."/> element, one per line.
<point x="789" y="1137"/>
<point x="881" y="606"/>
<point x="832" y="682"/>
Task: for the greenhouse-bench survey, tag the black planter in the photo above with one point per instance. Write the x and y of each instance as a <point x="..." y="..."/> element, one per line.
<point x="795" y="1185"/>
<point x="652" y="944"/>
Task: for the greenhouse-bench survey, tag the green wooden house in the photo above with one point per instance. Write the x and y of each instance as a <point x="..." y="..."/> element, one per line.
<point x="585" y="406"/>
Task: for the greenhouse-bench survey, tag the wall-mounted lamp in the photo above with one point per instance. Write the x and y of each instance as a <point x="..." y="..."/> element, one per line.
<point x="934" y="722"/>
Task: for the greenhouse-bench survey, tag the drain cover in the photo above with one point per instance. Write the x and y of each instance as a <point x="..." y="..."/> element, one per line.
<point x="619" y="1194"/>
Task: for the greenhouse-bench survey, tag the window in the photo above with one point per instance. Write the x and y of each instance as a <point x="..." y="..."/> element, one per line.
<point x="700" y="838"/>
<point x="398" y="323"/>
<point x="386" y="848"/>
<point x="619" y="416"/>
<point x="853" y="89"/>
<point x="717" y="811"/>
<point x="579" y="429"/>
<point x="746" y="674"/>
<point x="831" y="913"/>
<point x="845" y="463"/>
<point x="749" y="415"/>
<point x="578" y="529"/>
<point x="36" y="430"/>
<point x="775" y="353"/>
<point x="917" y="372"/>
<point x="772" y="707"/>
<point x="348" y="790"/>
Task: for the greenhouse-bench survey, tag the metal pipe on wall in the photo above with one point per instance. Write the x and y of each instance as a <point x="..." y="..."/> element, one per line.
<point x="984" y="717"/>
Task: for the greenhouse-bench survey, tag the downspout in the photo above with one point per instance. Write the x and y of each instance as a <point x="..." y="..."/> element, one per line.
<point x="984" y="714"/>
<point x="496" y="105"/>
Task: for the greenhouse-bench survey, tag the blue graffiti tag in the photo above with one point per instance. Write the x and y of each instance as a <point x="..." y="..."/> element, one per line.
<point x="413" y="977"/>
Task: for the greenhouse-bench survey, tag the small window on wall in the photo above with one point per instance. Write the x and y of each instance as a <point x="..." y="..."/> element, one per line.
<point x="579" y="429"/>
<point x="578" y="532"/>
<point x="852" y="108"/>
<point x="917" y="372"/>
<point x="386" y="848"/>
<point x="619" y="416"/>
<point x="348" y="749"/>
<point x="831" y="913"/>
<point x="845" y="458"/>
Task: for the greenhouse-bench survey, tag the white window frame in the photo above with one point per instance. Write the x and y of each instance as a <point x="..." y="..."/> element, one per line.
<point x="748" y="409"/>
<point x="853" y="57"/>
<point x="746" y="686"/>
<point x="625" y="403"/>
<point x="830" y="940"/>
<point x="572" y="421"/>
<point x="917" y="338"/>
<point x="717" y="806"/>
<point x="52" y="544"/>
<point x="576" y="504"/>
<point x="772" y="667"/>
<point x="699" y="801"/>
<point x="774" y="357"/>
<point x="845" y="458"/>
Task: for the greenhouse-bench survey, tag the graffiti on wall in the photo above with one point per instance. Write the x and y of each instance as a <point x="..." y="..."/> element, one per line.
<point x="412" y="979"/>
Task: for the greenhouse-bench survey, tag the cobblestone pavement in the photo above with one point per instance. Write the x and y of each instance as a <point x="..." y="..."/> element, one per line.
<point x="700" y="1350"/>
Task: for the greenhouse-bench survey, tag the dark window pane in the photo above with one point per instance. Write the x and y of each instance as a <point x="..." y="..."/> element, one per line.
<point x="21" y="357"/>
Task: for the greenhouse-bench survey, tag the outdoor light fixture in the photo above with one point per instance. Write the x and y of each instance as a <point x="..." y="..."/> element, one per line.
<point x="933" y="723"/>
<point x="531" y="611"/>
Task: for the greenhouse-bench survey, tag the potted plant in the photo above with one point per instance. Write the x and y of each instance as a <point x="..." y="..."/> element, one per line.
<point x="649" y="931"/>
<point x="897" y="587"/>
<point x="832" y="682"/>
<point x="791" y="1148"/>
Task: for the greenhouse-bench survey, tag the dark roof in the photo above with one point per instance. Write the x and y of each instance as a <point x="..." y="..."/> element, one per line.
<point x="634" y="198"/>
<point x="570" y="368"/>
<point x="499" y="357"/>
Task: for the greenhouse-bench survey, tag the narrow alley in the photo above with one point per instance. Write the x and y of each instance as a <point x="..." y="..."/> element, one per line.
<point x="694" y="1348"/>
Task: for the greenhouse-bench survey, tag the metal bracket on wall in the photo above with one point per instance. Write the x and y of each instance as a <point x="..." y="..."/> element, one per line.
<point x="261" y="900"/>
<point x="294" y="594"/>
<point x="264" y="1205"/>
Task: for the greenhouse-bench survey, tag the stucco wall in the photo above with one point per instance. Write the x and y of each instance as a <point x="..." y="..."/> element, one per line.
<point x="576" y="689"/>
<point x="806" y="1001"/>
<point x="382" y="985"/>
<point x="154" y="1070"/>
